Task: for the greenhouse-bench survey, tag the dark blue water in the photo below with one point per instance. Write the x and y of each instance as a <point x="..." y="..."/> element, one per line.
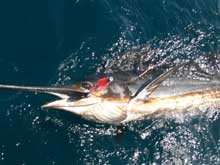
<point x="53" y="42"/>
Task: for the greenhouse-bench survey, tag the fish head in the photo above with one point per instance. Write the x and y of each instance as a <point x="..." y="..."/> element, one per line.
<point x="96" y="102"/>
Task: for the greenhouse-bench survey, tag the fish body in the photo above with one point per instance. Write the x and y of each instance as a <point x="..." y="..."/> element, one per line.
<point x="171" y="95"/>
<point x="118" y="102"/>
<point x="118" y="111"/>
<point x="202" y="99"/>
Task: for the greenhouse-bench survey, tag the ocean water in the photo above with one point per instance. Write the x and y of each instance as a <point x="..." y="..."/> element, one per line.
<point x="53" y="42"/>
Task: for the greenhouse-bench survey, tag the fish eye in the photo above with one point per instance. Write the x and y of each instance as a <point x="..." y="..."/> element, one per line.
<point x="86" y="85"/>
<point x="111" y="79"/>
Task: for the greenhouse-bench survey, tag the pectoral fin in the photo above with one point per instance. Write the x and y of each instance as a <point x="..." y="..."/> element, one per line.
<point x="146" y="89"/>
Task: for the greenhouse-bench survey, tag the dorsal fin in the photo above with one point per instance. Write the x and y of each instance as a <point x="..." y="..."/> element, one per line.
<point x="145" y="90"/>
<point x="149" y="69"/>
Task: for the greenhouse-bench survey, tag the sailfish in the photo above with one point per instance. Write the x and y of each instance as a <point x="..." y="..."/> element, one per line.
<point x="111" y="101"/>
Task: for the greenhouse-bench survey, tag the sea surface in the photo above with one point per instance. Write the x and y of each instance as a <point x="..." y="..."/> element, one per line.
<point x="59" y="42"/>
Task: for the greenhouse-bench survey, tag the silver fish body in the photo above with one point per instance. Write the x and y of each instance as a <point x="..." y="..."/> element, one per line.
<point x="118" y="102"/>
<point x="171" y="95"/>
<point x="178" y="86"/>
<point x="201" y="99"/>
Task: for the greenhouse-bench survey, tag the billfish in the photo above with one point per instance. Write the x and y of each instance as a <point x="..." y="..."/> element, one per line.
<point x="111" y="101"/>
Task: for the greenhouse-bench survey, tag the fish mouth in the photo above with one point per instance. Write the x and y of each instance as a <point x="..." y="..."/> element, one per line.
<point x="71" y="98"/>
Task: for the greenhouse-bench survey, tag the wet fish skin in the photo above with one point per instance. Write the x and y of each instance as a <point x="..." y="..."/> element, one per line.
<point x="118" y="111"/>
<point x="189" y="101"/>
